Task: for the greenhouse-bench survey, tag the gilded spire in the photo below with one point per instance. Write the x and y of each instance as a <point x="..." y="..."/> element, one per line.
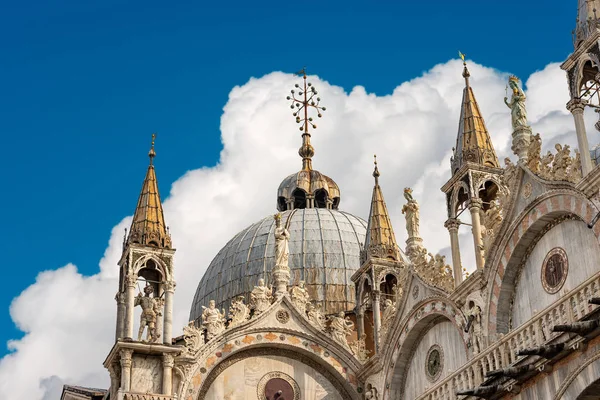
<point x="473" y="142"/>
<point x="148" y="226"/>
<point x="304" y="99"/>
<point x="380" y="241"/>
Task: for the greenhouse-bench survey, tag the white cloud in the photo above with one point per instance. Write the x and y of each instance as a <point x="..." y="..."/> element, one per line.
<point x="68" y="319"/>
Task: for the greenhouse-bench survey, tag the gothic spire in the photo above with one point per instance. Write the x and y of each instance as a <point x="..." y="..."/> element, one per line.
<point x="473" y="142"/>
<point x="148" y="226"/>
<point x="380" y="241"/>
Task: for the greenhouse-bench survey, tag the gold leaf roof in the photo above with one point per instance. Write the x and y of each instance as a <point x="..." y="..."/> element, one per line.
<point x="380" y="240"/>
<point x="148" y="226"/>
<point x="473" y="142"/>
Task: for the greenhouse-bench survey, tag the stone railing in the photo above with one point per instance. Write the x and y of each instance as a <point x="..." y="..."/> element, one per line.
<point x="146" y="396"/>
<point x="536" y="332"/>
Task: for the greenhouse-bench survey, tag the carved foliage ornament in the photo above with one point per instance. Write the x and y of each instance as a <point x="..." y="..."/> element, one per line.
<point x="554" y="270"/>
<point x="273" y="382"/>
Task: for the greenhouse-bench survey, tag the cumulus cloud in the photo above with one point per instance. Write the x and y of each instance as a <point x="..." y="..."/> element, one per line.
<point x="68" y="319"/>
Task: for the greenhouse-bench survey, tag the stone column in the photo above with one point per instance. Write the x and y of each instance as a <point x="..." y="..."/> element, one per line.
<point x="130" y="281"/>
<point x="120" y="298"/>
<point x="126" y="369"/>
<point x="576" y="107"/>
<point x="475" y="208"/>
<point x="290" y="204"/>
<point x="452" y="226"/>
<point x="376" y="295"/>
<point x="169" y="288"/>
<point x="360" y="322"/>
<point x="167" y="381"/>
<point x="310" y="201"/>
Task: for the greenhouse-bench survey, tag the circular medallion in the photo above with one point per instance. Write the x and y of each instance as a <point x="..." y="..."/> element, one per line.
<point x="282" y="316"/>
<point x="277" y="385"/>
<point x="434" y="363"/>
<point x="554" y="270"/>
<point x="415" y="292"/>
<point x="527" y="190"/>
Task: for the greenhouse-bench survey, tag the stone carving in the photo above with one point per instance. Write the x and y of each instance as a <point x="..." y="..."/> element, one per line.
<point x="359" y="349"/>
<point x="554" y="270"/>
<point x="527" y="190"/>
<point x="389" y="313"/>
<point x="238" y="312"/>
<point x="340" y="327"/>
<point x="151" y="309"/>
<point x="315" y="317"/>
<point x="282" y="316"/>
<point x="411" y="212"/>
<point x="260" y="297"/>
<point x="534" y="153"/>
<point x="291" y="391"/>
<point x="510" y="172"/>
<point x="300" y="297"/>
<point x="193" y="339"/>
<point x="491" y="222"/>
<point x="281" y="271"/>
<point x="559" y="167"/>
<point x="434" y="363"/>
<point x="213" y="320"/>
<point x="371" y="393"/>
<point x="434" y="270"/>
<point x="518" y="111"/>
<point x="475" y="329"/>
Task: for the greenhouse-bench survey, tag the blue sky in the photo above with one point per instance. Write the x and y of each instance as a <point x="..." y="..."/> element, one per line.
<point x="85" y="83"/>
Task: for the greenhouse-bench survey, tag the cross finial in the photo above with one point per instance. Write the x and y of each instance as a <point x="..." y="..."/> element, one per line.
<point x="376" y="173"/>
<point x="301" y="102"/>
<point x="466" y="74"/>
<point x="152" y="153"/>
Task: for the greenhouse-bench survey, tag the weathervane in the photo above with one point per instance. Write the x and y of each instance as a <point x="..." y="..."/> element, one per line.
<point x="302" y="101"/>
<point x="152" y="153"/>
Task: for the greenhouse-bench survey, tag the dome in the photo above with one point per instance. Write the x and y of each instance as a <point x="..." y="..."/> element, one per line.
<point x="324" y="247"/>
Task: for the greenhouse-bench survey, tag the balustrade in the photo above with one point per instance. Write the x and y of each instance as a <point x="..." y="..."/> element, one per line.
<point x="146" y="396"/>
<point x="536" y="332"/>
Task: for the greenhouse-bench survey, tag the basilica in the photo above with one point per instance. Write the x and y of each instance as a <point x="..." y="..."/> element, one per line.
<point x="314" y="303"/>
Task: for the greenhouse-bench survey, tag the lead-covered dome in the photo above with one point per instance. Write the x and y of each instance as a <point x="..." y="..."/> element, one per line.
<point x="324" y="247"/>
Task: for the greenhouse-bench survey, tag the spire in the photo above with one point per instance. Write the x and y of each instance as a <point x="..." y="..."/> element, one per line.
<point x="588" y="12"/>
<point x="301" y="102"/>
<point x="473" y="143"/>
<point x="380" y="241"/>
<point x="148" y="226"/>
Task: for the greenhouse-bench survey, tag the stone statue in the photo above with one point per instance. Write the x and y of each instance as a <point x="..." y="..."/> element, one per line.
<point x="193" y="338"/>
<point x="315" y="317"/>
<point x="371" y="393"/>
<point x="411" y="212"/>
<point x="492" y="219"/>
<point x="510" y="172"/>
<point x="238" y="311"/>
<point x="213" y="320"/>
<point x="475" y="329"/>
<point x="389" y="313"/>
<point x="575" y="170"/>
<point x="534" y="153"/>
<point x="562" y="161"/>
<point x="517" y="104"/>
<point x="359" y="349"/>
<point x="260" y="297"/>
<point x="300" y="297"/>
<point x="282" y="237"/>
<point x="339" y="328"/>
<point x="151" y="309"/>
<point x="546" y="166"/>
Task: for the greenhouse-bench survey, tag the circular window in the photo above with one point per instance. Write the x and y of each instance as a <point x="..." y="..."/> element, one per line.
<point x="278" y="386"/>
<point x="554" y="270"/>
<point x="434" y="363"/>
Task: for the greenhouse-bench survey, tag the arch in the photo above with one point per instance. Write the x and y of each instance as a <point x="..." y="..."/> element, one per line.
<point x="281" y="350"/>
<point x="281" y="204"/>
<point x="321" y="197"/>
<point x="584" y="378"/>
<point x="299" y="197"/>
<point x="399" y="373"/>
<point x="460" y="195"/>
<point x="407" y="334"/>
<point x="504" y="263"/>
<point x="387" y="285"/>
<point x="160" y="266"/>
<point x="488" y="190"/>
